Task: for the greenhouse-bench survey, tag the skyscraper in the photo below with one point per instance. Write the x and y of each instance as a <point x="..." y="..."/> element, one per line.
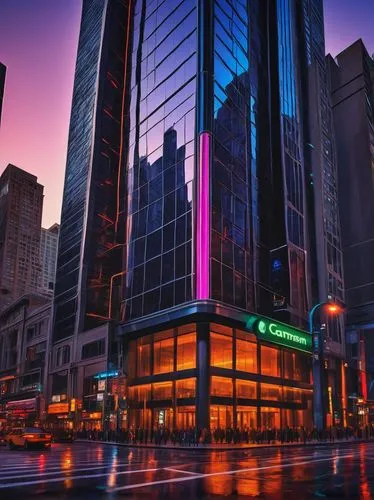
<point x="21" y="202"/>
<point x="90" y="238"/>
<point x="352" y="92"/>
<point x="222" y="230"/>
<point x="48" y="257"/>
<point x="193" y="215"/>
<point x="2" y="86"/>
<point x="326" y="262"/>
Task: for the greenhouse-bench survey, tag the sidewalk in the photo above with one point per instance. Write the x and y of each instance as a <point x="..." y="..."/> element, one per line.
<point x="229" y="447"/>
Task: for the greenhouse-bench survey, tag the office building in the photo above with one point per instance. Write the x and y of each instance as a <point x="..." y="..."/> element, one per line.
<point x="91" y="238"/>
<point x="24" y="332"/>
<point x="326" y="261"/>
<point x="21" y="202"/>
<point x="2" y="86"/>
<point x="217" y="222"/>
<point x="48" y="257"/>
<point x="190" y="225"/>
<point x="352" y="92"/>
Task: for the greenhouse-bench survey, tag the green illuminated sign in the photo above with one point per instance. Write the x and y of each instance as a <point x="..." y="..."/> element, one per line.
<point x="282" y="334"/>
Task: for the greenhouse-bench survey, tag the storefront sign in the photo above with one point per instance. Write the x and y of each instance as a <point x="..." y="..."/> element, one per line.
<point x="282" y="334"/>
<point x="57" y="408"/>
<point x="73" y="405"/>
<point x="102" y="375"/>
<point x="24" y="404"/>
<point x="100" y="396"/>
<point x="101" y="385"/>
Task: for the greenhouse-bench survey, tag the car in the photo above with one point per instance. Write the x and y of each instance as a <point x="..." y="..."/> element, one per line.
<point x="28" y="437"/>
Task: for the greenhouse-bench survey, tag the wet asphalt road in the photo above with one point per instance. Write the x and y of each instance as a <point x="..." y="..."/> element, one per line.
<point x="93" y="471"/>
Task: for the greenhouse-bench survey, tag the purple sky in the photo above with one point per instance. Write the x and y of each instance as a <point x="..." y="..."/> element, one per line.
<point x="38" y="43"/>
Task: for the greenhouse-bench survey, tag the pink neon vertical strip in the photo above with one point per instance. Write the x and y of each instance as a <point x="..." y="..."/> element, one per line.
<point x="203" y="221"/>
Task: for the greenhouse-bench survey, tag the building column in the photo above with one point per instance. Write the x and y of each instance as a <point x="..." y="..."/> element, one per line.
<point x="203" y="376"/>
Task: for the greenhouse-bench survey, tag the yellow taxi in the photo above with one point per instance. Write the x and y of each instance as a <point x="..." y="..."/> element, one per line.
<point x="28" y="437"/>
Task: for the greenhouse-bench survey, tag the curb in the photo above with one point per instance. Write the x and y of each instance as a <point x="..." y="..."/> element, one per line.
<point x="228" y="448"/>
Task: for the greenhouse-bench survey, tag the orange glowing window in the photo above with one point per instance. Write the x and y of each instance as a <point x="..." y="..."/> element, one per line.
<point x="162" y="390"/>
<point x="143" y="361"/>
<point x="270" y="361"/>
<point x="222" y="386"/>
<point x="186" y="388"/>
<point x="246" y="356"/>
<point x="186" y="351"/>
<point x="271" y="392"/>
<point x="163" y="354"/>
<point x="246" y="389"/>
<point x="140" y="393"/>
<point x="220" y="350"/>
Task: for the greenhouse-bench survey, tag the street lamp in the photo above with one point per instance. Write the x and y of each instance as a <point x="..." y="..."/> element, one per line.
<point x="332" y="309"/>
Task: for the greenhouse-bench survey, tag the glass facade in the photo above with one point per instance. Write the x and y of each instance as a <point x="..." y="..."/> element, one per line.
<point x="233" y="134"/>
<point x="322" y="164"/>
<point x="88" y="243"/>
<point x="161" y="158"/>
<point x="251" y="384"/>
<point x="293" y="284"/>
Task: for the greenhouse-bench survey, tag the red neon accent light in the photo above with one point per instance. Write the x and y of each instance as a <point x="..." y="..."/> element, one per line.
<point x="364" y="390"/>
<point x="203" y="221"/>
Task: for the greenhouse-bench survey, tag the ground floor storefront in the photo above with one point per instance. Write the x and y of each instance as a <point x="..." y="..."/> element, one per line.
<point x="216" y="371"/>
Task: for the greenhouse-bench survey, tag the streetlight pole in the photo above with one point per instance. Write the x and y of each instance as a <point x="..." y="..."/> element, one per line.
<point x="318" y="379"/>
<point x="318" y="413"/>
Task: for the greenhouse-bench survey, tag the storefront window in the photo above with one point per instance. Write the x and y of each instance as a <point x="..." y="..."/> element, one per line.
<point x="186" y="417"/>
<point x="246" y="389"/>
<point x="289" y="359"/>
<point x="186" y="388"/>
<point x="247" y="417"/>
<point x="246" y="356"/>
<point x="221" y="417"/>
<point x="271" y="392"/>
<point x="143" y="352"/>
<point x="270" y="418"/>
<point x="162" y="390"/>
<point x="292" y="395"/>
<point x="140" y="418"/>
<point x="221" y="350"/>
<point x="270" y="364"/>
<point x="132" y="359"/>
<point x="140" y="393"/>
<point x="221" y="386"/>
<point x="163" y="349"/>
<point x="186" y="351"/>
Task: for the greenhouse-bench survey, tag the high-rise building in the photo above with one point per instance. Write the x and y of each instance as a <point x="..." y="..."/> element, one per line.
<point x="21" y="202"/>
<point x="2" y="86"/>
<point x="48" y="257"/>
<point x="352" y="92"/>
<point x="192" y="213"/>
<point x="326" y="262"/>
<point x="90" y="237"/>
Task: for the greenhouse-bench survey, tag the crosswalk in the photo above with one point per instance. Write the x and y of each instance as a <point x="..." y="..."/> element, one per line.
<point x="99" y="469"/>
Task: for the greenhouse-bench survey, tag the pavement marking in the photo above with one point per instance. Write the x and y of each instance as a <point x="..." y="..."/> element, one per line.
<point x="182" y="471"/>
<point x="68" y="478"/>
<point x="51" y="465"/>
<point x="62" y="471"/>
<point x="223" y="473"/>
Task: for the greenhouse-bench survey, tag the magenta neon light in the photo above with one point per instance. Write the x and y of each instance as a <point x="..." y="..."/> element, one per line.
<point x="203" y="225"/>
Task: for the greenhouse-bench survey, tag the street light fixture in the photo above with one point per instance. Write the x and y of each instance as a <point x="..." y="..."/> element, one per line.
<point x="332" y="309"/>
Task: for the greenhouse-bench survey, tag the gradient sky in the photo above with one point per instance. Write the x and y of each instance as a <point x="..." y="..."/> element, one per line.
<point x="38" y="44"/>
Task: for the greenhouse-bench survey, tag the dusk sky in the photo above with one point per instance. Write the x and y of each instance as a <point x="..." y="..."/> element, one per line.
<point x="38" y="44"/>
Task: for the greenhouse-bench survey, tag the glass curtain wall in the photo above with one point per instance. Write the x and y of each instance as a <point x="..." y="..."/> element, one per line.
<point x="231" y="268"/>
<point x="291" y="157"/>
<point x="161" y="159"/>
